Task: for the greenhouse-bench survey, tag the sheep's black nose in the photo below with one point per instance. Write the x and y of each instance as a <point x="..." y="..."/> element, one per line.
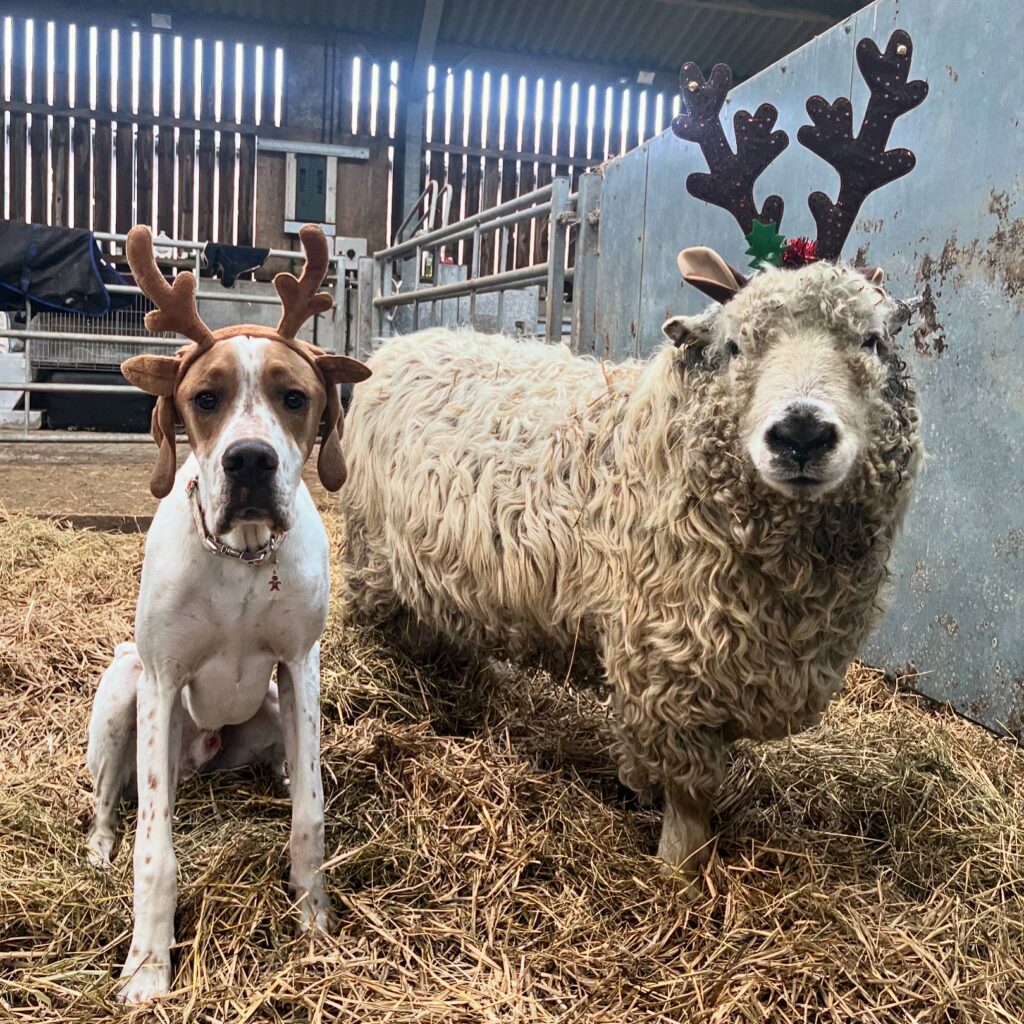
<point x="249" y="462"/>
<point x="802" y="436"/>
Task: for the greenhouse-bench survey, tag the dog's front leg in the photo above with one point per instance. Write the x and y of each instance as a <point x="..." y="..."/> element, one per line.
<point x="299" y="690"/>
<point x="147" y="970"/>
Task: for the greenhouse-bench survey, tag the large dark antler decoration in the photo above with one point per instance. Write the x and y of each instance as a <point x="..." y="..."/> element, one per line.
<point x="730" y="183"/>
<point x="863" y="162"/>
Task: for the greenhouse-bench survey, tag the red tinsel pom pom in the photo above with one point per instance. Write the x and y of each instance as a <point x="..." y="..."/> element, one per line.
<point x="799" y="251"/>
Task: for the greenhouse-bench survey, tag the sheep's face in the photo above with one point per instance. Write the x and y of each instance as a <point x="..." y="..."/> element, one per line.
<point x="807" y="356"/>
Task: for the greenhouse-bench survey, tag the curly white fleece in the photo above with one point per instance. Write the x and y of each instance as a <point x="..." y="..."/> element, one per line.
<point x="514" y="497"/>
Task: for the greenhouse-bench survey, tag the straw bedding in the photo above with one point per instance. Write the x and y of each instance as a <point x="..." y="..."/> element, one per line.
<point x="484" y="864"/>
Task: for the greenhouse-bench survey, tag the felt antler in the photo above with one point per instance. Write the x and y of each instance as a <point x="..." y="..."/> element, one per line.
<point x="299" y="296"/>
<point x="176" y="304"/>
<point x="730" y="184"/>
<point x="863" y="162"/>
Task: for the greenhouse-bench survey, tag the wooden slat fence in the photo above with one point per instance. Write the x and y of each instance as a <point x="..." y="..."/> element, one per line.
<point x="104" y="128"/>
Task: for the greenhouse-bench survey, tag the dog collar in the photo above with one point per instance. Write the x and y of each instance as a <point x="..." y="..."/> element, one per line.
<point x="256" y="556"/>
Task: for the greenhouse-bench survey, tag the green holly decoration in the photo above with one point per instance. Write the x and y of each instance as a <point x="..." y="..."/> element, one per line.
<point x="764" y="245"/>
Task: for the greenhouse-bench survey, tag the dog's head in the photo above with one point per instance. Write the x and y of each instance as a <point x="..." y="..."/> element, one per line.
<point x="252" y="400"/>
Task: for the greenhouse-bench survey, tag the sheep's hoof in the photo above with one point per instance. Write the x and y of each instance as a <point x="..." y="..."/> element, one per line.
<point x="689" y="880"/>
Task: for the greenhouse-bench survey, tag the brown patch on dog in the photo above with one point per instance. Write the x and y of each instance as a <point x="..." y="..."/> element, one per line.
<point x="151" y="781"/>
<point x="216" y="371"/>
<point x="285" y="370"/>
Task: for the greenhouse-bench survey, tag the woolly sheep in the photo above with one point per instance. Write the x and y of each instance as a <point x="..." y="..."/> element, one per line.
<point x="713" y="523"/>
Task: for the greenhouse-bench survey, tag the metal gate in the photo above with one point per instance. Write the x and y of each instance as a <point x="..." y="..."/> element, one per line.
<point x="70" y="341"/>
<point x="408" y="285"/>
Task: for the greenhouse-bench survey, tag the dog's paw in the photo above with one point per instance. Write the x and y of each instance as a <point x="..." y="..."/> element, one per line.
<point x="141" y="982"/>
<point x="99" y="849"/>
<point x="315" y="912"/>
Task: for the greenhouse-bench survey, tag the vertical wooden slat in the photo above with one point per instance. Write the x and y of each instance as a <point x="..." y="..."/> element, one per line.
<point x="38" y="140"/>
<point x="527" y="171"/>
<point x="435" y="166"/>
<point x="226" y="151"/>
<point x="18" y="142"/>
<point x="165" y="169"/>
<point x="3" y="117"/>
<point x="247" y="152"/>
<point x="473" y="168"/>
<point x="552" y="99"/>
<point x="364" y="115"/>
<point x="267" y="97"/>
<point x="101" y="168"/>
<point x="124" y="156"/>
<point x="341" y="125"/>
<point x="572" y="134"/>
<point x="398" y="210"/>
<point x="81" y="134"/>
<point x="207" y="146"/>
<point x="456" y="160"/>
<point x="187" y="142"/>
<point x="579" y="146"/>
<point x="144" y="136"/>
<point x="60" y="132"/>
<point x="509" y="172"/>
<point x="491" y="171"/>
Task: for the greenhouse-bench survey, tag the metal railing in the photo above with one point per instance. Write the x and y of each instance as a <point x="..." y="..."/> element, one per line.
<point x="115" y="345"/>
<point x="390" y="279"/>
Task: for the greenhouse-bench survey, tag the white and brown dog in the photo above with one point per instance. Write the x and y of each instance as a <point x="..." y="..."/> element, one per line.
<point x="235" y="582"/>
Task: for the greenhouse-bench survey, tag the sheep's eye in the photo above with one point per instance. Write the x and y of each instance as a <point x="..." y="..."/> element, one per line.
<point x="205" y="401"/>
<point x="873" y="343"/>
<point x="295" y="400"/>
<point x="732" y="350"/>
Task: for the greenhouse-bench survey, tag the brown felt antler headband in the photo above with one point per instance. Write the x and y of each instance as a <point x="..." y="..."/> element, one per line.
<point x="863" y="162"/>
<point x="176" y="311"/>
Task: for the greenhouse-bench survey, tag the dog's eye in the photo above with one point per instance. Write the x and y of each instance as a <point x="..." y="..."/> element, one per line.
<point x="732" y="350"/>
<point x="873" y="343"/>
<point x="205" y="401"/>
<point x="295" y="400"/>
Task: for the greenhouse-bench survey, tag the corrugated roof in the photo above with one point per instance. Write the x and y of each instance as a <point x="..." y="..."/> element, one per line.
<point x="626" y="34"/>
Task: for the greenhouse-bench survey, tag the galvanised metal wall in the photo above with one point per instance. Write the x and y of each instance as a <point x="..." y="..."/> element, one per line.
<point x="952" y="231"/>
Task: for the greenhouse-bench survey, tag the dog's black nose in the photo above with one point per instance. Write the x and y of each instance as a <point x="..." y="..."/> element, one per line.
<point x="249" y="462"/>
<point x="802" y="436"/>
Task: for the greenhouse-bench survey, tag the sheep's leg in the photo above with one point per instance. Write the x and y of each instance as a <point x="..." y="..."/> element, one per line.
<point x="685" y="830"/>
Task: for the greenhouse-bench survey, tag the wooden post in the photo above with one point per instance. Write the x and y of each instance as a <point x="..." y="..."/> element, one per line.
<point x="187" y="143"/>
<point x="226" y="153"/>
<point x="60" y="132"/>
<point x="124" y="153"/>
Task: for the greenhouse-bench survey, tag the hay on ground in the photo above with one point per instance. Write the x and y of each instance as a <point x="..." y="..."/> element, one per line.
<point x="484" y="864"/>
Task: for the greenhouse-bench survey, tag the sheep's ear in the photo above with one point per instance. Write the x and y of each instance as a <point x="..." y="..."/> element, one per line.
<point x="708" y="272"/>
<point x="691" y="336"/>
<point x="874" y="275"/>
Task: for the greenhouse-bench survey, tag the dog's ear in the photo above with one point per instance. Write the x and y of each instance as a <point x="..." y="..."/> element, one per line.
<point x="156" y="375"/>
<point x="164" y="417"/>
<point x="341" y="369"/>
<point x="330" y="463"/>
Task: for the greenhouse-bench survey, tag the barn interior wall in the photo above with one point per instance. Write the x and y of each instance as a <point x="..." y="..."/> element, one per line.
<point x="489" y="133"/>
